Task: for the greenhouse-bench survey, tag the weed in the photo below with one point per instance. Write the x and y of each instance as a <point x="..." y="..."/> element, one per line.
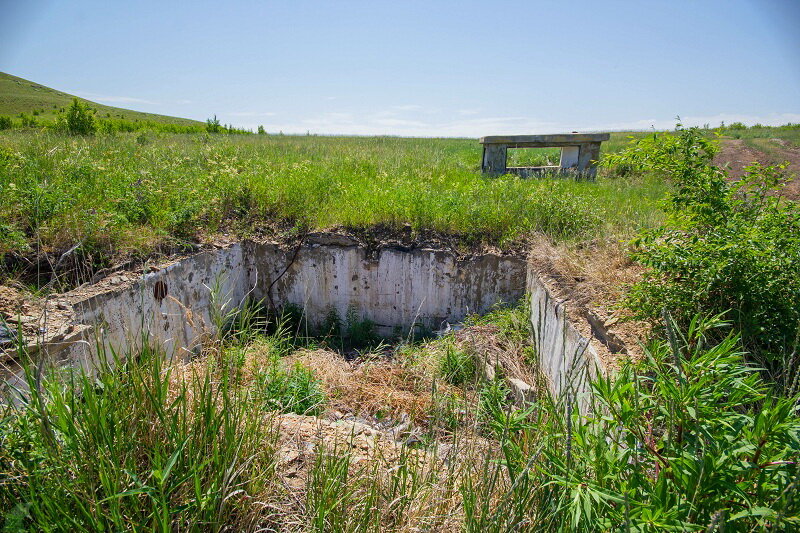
<point x="723" y="246"/>
<point x="295" y="390"/>
<point x="359" y="332"/>
<point x="78" y="119"/>
<point x="456" y="366"/>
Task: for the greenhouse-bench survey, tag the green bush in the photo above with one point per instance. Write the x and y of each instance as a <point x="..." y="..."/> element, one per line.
<point x="690" y="440"/>
<point x="6" y="123"/>
<point x="213" y="125"/>
<point x="78" y="119"/>
<point x="724" y="245"/>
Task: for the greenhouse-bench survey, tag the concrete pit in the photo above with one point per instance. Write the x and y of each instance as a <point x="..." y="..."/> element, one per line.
<point x="399" y="289"/>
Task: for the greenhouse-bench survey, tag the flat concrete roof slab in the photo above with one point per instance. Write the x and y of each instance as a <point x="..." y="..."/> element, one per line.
<point x="543" y="139"/>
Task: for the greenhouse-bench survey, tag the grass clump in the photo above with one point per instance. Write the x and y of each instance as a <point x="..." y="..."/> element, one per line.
<point x="292" y="390"/>
<point x="131" y="448"/>
<point x="456" y="366"/>
<point x="128" y="194"/>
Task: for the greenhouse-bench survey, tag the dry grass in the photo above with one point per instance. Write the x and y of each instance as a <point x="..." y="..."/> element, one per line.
<point x="400" y="388"/>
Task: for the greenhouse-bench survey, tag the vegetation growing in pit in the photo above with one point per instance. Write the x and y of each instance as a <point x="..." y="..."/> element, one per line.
<point x="689" y="438"/>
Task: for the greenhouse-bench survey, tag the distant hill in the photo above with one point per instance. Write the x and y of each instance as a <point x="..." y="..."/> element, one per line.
<point x="18" y="95"/>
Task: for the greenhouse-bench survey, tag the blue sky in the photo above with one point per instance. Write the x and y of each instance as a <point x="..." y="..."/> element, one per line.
<point x="418" y="68"/>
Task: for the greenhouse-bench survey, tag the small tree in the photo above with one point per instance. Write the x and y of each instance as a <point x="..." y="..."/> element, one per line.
<point x="213" y="125"/>
<point x="79" y="119"/>
<point x="261" y="130"/>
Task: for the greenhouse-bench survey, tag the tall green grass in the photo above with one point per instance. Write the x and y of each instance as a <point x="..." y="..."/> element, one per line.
<point x="691" y="438"/>
<point x="133" y="193"/>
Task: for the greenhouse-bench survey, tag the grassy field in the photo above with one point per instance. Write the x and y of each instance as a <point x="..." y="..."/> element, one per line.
<point x="789" y="133"/>
<point x="134" y="193"/>
<point x="18" y="95"/>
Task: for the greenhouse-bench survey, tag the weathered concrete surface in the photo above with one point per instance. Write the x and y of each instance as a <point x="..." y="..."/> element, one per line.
<point x="569" y="157"/>
<point x="567" y="359"/>
<point x="171" y="307"/>
<point x="579" y="152"/>
<point x="552" y="139"/>
<point x="397" y="289"/>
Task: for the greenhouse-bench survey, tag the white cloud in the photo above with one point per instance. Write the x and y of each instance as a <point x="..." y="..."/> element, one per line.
<point x="389" y="123"/>
<point x="251" y="114"/>
<point x="116" y="99"/>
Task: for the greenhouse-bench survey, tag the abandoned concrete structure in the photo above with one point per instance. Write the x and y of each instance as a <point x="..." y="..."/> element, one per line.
<point x="173" y="306"/>
<point x="579" y="152"/>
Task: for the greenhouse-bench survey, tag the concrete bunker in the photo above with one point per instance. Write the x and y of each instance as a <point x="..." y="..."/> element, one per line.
<point x="579" y="153"/>
<point x="399" y="289"/>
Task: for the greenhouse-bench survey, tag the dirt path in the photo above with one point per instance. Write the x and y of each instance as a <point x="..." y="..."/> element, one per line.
<point x="736" y="155"/>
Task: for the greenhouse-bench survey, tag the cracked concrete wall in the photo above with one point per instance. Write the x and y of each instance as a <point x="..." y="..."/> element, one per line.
<point x="568" y="360"/>
<point x="394" y="288"/>
<point x="171" y="307"/>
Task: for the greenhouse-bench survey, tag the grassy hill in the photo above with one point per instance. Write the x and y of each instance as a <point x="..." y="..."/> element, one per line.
<point x="18" y="95"/>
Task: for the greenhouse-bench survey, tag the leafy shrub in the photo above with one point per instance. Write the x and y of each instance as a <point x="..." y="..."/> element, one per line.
<point x="6" y="123"/>
<point x="213" y="125"/>
<point x="296" y="390"/>
<point x="722" y="246"/>
<point x="78" y="119"/>
<point x="261" y="130"/>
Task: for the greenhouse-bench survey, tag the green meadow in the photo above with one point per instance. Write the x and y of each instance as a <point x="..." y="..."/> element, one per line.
<point x="141" y="191"/>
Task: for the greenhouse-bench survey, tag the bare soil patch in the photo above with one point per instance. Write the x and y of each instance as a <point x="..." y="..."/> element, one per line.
<point x="735" y="154"/>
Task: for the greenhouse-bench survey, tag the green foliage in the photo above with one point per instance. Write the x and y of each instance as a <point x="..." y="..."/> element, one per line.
<point x="456" y="366"/>
<point x="689" y="439"/>
<point x="127" y="449"/>
<point x="359" y="332"/>
<point x="296" y="390"/>
<point x="213" y="125"/>
<point x="135" y="194"/>
<point x="78" y="119"/>
<point x="493" y="401"/>
<point x="6" y="123"/>
<point x="261" y="130"/>
<point x="722" y="246"/>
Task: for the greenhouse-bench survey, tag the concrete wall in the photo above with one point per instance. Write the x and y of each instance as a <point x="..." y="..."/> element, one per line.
<point x="394" y="288"/>
<point x="568" y="359"/>
<point x="171" y="306"/>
